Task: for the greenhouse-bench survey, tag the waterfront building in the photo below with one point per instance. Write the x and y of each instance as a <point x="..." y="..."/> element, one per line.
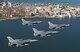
<point x="9" y="4"/>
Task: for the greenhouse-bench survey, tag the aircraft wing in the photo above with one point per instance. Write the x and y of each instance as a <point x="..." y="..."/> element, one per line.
<point x="21" y="43"/>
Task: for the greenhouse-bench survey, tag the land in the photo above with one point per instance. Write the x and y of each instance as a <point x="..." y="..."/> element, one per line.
<point x="25" y="10"/>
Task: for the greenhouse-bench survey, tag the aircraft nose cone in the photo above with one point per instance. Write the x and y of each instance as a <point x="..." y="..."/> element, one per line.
<point x="55" y="31"/>
<point x="34" y="40"/>
<point x="68" y="24"/>
<point x="40" y="21"/>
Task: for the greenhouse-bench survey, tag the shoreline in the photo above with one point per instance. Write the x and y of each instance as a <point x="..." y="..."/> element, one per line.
<point x="13" y="18"/>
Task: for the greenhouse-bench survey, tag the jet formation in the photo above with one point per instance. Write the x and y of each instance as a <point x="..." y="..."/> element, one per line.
<point x="36" y="32"/>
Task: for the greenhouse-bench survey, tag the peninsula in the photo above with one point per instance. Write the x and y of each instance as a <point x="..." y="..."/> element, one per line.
<point x="10" y="10"/>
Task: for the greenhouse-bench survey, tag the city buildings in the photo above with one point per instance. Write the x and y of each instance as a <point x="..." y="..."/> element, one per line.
<point x="8" y="9"/>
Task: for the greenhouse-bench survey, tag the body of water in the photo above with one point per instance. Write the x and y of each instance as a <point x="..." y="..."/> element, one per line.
<point x="73" y="2"/>
<point x="67" y="40"/>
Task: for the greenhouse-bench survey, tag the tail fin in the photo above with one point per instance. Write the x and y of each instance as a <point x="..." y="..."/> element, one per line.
<point x="50" y="24"/>
<point x="34" y="29"/>
<point x="10" y="38"/>
<point x="23" y="20"/>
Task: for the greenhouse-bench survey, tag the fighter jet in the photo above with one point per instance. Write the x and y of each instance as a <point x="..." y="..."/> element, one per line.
<point x="43" y="33"/>
<point x="29" y="23"/>
<point x="19" y="42"/>
<point x="57" y="26"/>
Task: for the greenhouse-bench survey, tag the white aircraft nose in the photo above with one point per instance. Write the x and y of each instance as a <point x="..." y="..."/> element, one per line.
<point x="68" y="24"/>
<point x="40" y="21"/>
<point x="33" y="40"/>
<point x="56" y="31"/>
<point x="26" y="44"/>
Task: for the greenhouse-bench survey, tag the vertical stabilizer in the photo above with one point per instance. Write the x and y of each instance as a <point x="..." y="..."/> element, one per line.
<point x="10" y="38"/>
<point x="34" y="29"/>
<point x="50" y="24"/>
<point x="23" y="20"/>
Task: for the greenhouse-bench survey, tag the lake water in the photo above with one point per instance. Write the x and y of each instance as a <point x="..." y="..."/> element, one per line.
<point x="67" y="40"/>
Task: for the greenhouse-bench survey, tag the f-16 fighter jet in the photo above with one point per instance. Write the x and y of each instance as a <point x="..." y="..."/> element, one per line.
<point x="29" y="23"/>
<point x="42" y="33"/>
<point x="19" y="42"/>
<point x="57" y="26"/>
